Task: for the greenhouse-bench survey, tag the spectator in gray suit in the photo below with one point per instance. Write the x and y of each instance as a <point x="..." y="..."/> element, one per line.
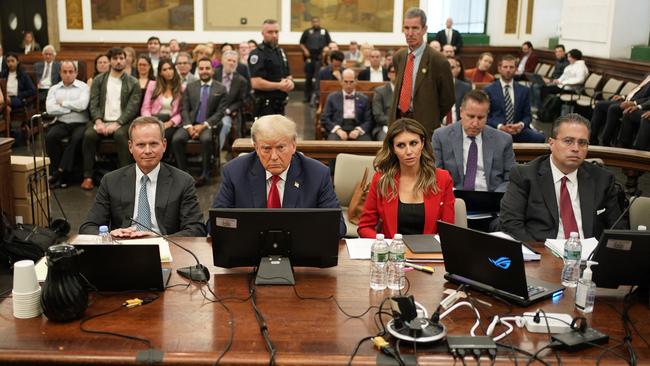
<point x="381" y="103"/>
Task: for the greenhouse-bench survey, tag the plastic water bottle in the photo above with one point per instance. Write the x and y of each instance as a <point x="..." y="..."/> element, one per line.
<point x="104" y="235"/>
<point x="572" y="253"/>
<point x="396" y="263"/>
<point x="378" y="261"/>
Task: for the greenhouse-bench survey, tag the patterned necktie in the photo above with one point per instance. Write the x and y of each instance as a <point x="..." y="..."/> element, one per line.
<point x="203" y="104"/>
<point x="227" y="79"/>
<point x="273" y="200"/>
<point x="566" y="210"/>
<point x="471" y="166"/>
<point x="407" y="83"/>
<point x="510" y="109"/>
<point x="46" y="72"/>
<point x="144" y="213"/>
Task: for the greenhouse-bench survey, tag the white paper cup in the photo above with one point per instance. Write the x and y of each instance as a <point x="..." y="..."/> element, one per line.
<point x="25" y="277"/>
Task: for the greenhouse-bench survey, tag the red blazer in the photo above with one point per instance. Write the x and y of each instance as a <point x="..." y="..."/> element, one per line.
<point x="531" y="63"/>
<point x="475" y="76"/>
<point x="438" y="206"/>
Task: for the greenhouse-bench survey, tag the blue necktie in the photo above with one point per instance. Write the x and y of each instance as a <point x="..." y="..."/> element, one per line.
<point x="144" y="213"/>
<point x="203" y="104"/>
<point x="471" y="166"/>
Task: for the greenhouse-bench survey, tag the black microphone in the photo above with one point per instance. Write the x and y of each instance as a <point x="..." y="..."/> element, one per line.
<point x="199" y="272"/>
<point x="620" y="217"/>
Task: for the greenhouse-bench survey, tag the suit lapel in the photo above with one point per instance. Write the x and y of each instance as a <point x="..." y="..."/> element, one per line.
<point x="293" y="184"/>
<point x="586" y="189"/>
<point x="488" y="141"/>
<point x="128" y="195"/>
<point x="548" y="189"/>
<point x="258" y="180"/>
<point x="163" y="186"/>
<point x="457" y="149"/>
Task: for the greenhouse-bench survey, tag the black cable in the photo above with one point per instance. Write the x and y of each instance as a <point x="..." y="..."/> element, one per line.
<point x="264" y="330"/>
<point x="550" y="337"/>
<point x="535" y="355"/>
<point x="523" y="352"/>
<point x="356" y="349"/>
<point x="333" y="298"/>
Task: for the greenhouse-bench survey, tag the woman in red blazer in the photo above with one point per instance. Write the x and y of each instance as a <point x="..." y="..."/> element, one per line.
<point x="408" y="194"/>
<point x="163" y="98"/>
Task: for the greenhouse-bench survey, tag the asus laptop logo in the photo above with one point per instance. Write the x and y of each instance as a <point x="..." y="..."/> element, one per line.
<point x="502" y="262"/>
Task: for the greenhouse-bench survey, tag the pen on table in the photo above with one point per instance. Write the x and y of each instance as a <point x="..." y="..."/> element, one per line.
<point x="420" y="268"/>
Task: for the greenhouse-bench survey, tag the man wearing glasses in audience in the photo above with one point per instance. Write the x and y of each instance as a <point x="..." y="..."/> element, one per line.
<point x="557" y="194"/>
<point x="184" y="66"/>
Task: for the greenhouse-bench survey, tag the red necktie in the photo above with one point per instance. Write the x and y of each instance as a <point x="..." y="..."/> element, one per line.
<point x="407" y="83"/>
<point x="449" y="118"/>
<point x="273" y="200"/>
<point x="566" y="210"/>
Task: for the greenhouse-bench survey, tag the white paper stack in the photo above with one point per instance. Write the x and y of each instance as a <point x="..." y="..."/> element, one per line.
<point x="557" y="247"/>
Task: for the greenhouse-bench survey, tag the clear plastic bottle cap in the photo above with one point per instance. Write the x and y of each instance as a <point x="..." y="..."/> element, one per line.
<point x="380" y="237"/>
<point x="574" y="235"/>
<point x="397" y="237"/>
<point x="103" y="229"/>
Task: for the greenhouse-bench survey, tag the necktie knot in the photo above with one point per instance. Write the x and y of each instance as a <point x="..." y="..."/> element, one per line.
<point x="412" y="56"/>
<point x="565" y="179"/>
<point x="275" y="179"/>
<point x="473" y="138"/>
<point x="349" y="97"/>
<point x="144" y="179"/>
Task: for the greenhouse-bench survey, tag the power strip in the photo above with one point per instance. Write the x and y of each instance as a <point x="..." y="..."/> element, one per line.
<point x="557" y="322"/>
<point x="576" y="339"/>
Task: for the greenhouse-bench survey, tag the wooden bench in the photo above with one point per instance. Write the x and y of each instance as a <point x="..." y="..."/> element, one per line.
<point x="328" y="87"/>
<point x="633" y="162"/>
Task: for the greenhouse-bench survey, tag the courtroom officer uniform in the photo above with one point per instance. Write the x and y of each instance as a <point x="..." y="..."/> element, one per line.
<point x="269" y="64"/>
<point x="314" y="39"/>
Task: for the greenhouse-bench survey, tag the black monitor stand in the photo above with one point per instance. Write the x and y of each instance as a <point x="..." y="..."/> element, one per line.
<point x="275" y="266"/>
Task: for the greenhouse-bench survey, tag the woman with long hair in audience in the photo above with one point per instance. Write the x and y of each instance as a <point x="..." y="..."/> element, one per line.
<point x="29" y="44"/>
<point x="102" y="64"/>
<point x="163" y="98"/>
<point x="407" y="193"/>
<point x="199" y="52"/>
<point x="480" y="73"/>
<point x="461" y="70"/>
<point x="145" y="74"/>
<point x="131" y="56"/>
<point x="19" y="85"/>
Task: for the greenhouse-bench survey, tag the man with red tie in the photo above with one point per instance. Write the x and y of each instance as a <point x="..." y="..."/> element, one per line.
<point x="424" y="87"/>
<point x="275" y="175"/>
<point x="557" y="194"/>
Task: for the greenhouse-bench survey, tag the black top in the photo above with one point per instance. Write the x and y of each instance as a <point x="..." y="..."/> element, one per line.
<point x="315" y="39"/>
<point x="270" y="64"/>
<point x="410" y="218"/>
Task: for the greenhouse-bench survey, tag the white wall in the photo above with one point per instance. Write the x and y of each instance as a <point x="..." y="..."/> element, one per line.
<point x="546" y="17"/>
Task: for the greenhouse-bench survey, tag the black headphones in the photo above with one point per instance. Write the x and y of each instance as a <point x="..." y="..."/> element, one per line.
<point x="579" y="323"/>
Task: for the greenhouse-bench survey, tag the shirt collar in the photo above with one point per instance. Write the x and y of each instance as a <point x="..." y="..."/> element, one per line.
<point x="345" y="94"/>
<point x="557" y="173"/>
<point x="477" y="138"/>
<point x="503" y="84"/>
<point x="420" y="50"/>
<point x="153" y="175"/>
<point x="282" y="175"/>
<point x="208" y="83"/>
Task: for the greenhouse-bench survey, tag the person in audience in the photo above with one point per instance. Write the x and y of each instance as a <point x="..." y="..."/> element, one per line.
<point x="19" y="85"/>
<point x="244" y="50"/>
<point x="145" y="72"/>
<point x="3" y="61"/>
<point x="381" y="103"/>
<point x="366" y="48"/>
<point x="557" y="194"/>
<point x="481" y="73"/>
<point x="574" y="75"/>
<point x="161" y="198"/>
<point x="102" y="64"/>
<point x="450" y="36"/>
<point x="199" y="52"/>
<point x="478" y="157"/>
<point x="218" y="52"/>
<point x="461" y="70"/>
<point x="204" y="104"/>
<point x="510" y="105"/>
<point x="434" y="95"/>
<point x="435" y="45"/>
<point x="347" y="114"/>
<point x="131" y="57"/>
<point x="607" y="114"/>
<point x="312" y="42"/>
<point x="408" y="194"/>
<point x="165" y="53"/>
<point x="333" y="46"/>
<point x="448" y="51"/>
<point x="375" y="72"/>
<point x="114" y="102"/>
<point x="184" y="66"/>
<point x="276" y="175"/>
<point x="635" y="127"/>
<point x="162" y="98"/>
<point x="461" y="88"/>
<point x="335" y="68"/>
<point x="252" y="44"/>
<point x="560" y="63"/>
<point x="174" y="49"/>
<point x="29" y="44"/>
<point x="68" y="102"/>
<point x="237" y="88"/>
<point x="153" y="46"/>
<point x="388" y="59"/>
<point x="527" y="61"/>
<point x="353" y="53"/>
<point x="47" y="72"/>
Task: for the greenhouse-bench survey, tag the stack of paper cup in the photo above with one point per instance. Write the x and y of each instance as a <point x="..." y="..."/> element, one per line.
<point x="27" y="292"/>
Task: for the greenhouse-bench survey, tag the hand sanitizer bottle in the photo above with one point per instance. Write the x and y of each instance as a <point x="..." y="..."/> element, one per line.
<point x="586" y="291"/>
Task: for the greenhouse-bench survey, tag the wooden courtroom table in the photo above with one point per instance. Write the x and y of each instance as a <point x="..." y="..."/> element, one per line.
<point x="190" y="330"/>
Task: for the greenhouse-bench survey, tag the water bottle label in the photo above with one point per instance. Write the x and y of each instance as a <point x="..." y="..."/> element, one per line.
<point x="380" y="257"/>
<point x="571" y="254"/>
<point x="397" y="257"/>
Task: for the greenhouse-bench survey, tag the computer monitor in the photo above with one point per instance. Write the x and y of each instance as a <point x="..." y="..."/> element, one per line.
<point x="623" y="258"/>
<point x="275" y="240"/>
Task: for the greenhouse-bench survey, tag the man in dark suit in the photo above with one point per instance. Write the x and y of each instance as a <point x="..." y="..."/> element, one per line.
<point x="424" y="89"/>
<point x="375" y="72"/>
<point x="204" y="104"/>
<point x="332" y="71"/>
<point x="557" y="194"/>
<point x="275" y="176"/>
<point x="346" y="115"/>
<point x="510" y="105"/>
<point x="47" y="72"/>
<point x="237" y="88"/>
<point x="450" y="36"/>
<point x="488" y="168"/>
<point x="635" y="127"/>
<point x="156" y="195"/>
<point x="381" y="103"/>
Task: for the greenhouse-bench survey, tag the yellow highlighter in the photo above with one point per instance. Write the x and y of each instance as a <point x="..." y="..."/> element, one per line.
<point x="426" y="269"/>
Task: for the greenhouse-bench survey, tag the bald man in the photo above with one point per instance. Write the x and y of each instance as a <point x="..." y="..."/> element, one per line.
<point x="347" y="114"/>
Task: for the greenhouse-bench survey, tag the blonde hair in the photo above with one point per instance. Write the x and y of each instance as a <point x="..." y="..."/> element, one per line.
<point x="274" y="125"/>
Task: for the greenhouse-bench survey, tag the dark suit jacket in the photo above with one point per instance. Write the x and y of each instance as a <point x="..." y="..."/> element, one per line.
<point x="217" y="103"/>
<point x="497" y="113"/>
<point x="333" y="111"/>
<point x="308" y="185"/>
<point x="177" y="206"/>
<point x="434" y="88"/>
<point x="364" y="75"/>
<point x="456" y="39"/>
<point x="498" y="156"/>
<point x="529" y="209"/>
<point x="461" y="88"/>
<point x="239" y="88"/>
<point x="55" y="74"/>
<point x="130" y="98"/>
<point x="381" y="103"/>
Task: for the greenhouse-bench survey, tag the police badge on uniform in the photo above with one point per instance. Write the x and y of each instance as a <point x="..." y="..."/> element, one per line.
<point x="253" y="59"/>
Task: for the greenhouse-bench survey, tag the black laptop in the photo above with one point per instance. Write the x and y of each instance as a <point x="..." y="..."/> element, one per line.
<point x="123" y="267"/>
<point x="491" y="264"/>
<point x="622" y="257"/>
<point x="480" y="201"/>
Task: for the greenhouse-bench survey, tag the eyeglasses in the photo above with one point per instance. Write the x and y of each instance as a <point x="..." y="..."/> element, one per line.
<point x="569" y="141"/>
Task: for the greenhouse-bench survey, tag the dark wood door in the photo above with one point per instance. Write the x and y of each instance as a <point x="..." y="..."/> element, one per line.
<point x="17" y="17"/>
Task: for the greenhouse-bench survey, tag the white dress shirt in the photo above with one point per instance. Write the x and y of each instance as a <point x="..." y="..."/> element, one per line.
<point x="113" y="106"/>
<point x="12" y="84"/>
<point x="46" y="78"/>
<point x="348" y="106"/>
<point x="280" y="184"/>
<point x="151" y="194"/>
<point x="480" y="184"/>
<point x="572" y="187"/>
<point x="522" y="65"/>
<point x="376" y="76"/>
<point x="74" y="102"/>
